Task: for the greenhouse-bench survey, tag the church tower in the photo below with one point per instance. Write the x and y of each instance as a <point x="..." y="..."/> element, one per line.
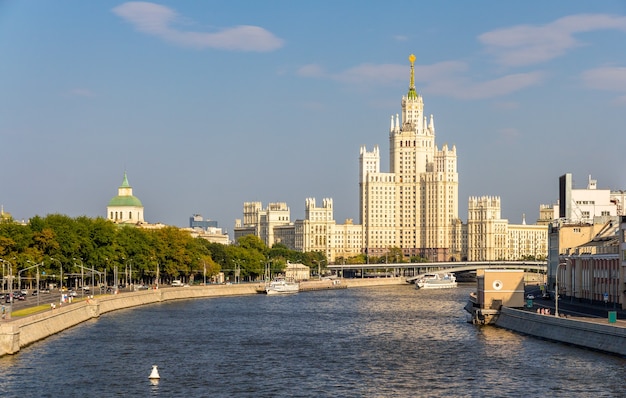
<point x="125" y="208"/>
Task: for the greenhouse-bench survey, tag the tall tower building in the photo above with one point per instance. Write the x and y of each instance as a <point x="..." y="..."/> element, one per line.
<point x="415" y="205"/>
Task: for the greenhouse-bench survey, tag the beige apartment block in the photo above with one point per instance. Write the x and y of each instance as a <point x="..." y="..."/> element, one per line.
<point x="263" y="222"/>
<point x="489" y="237"/>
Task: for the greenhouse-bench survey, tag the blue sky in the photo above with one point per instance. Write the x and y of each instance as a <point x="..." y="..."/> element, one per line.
<point x="209" y="104"/>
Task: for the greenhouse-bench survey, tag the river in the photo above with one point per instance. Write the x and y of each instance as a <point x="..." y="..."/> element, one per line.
<point x="392" y="341"/>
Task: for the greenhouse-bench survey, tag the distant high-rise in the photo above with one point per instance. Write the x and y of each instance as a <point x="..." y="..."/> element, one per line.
<point x="415" y="205"/>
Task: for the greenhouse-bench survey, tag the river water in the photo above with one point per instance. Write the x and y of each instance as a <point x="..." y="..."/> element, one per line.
<point x="392" y="341"/>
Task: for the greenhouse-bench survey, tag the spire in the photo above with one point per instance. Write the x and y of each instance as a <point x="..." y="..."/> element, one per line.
<point x="412" y="94"/>
<point x="125" y="183"/>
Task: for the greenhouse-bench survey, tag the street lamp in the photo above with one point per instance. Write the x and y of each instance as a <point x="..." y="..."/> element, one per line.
<point x="11" y="289"/>
<point x="38" y="289"/>
<point x="82" y="276"/>
<point x="61" y="267"/>
<point x="319" y="268"/>
<point x="204" y="272"/>
<point x="556" y="288"/>
<point x="129" y="278"/>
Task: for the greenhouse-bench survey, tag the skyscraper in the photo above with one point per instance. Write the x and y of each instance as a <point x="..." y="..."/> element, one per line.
<point x="414" y="206"/>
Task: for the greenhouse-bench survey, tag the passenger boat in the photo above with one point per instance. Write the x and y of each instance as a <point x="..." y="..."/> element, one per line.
<point x="280" y="286"/>
<point x="436" y="281"/>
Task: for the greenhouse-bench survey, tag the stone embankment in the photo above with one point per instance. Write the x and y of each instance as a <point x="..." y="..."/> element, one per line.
<point x="20" y="332"/>
<point x="593" y="333"/>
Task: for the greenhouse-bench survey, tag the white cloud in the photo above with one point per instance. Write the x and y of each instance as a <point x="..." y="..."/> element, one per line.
<point x="443" y="78"/>
<point x="528" y="45"/>
<point x="157" y="20"/>
<point x="520" y="45"/>
<point x="462" y="88"/>
<point x="609" y="78"/>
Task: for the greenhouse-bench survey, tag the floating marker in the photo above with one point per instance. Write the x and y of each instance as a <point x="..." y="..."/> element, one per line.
<point x="154" y="375"/>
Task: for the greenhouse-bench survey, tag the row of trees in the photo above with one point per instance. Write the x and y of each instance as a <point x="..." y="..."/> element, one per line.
<point x="61" y="242"/>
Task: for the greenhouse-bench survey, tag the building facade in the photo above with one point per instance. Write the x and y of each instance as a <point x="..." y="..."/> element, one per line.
<point x="595" y="272"/>
<point x="415" y="205"/>
<point x="578" y="216"/>
<point x="262" y="222"/>
<point x="489" y="237"/>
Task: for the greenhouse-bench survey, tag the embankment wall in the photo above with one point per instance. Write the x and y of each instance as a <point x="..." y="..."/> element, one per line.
<point x="593" y="335"/>
<point x="21" y="332"/>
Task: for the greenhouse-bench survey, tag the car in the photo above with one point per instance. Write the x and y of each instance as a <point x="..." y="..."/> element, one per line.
<point x="72" y="293"/>
<point x="35" y="292"/>
<point x="530" y="297"/>
<point x="24" y="291"/>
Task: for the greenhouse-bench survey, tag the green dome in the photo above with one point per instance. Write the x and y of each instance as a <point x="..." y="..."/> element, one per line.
<point x="125" y="201"/>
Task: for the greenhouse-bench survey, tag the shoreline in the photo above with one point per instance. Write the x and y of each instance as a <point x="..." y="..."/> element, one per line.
<point x="21" y="332"/>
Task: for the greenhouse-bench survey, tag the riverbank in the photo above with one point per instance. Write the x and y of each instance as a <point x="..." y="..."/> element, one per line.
<point x="592" y="333"/>
<point x="20" y="332"/>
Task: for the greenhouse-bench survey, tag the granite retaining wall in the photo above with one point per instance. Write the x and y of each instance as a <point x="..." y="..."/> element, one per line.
<point x="20" y="332"/>
<point x="596" y="335"/>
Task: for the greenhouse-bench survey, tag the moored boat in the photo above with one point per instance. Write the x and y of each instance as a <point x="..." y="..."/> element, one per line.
<point x="280" y="286"/>
<point x="437" y="281"/>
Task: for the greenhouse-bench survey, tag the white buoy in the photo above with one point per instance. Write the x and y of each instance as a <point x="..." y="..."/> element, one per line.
<point x="154" y="375"/>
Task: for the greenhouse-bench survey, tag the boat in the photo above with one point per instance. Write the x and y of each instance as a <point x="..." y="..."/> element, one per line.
<point x="436" y="281"/>
<point x="280" y="286"/>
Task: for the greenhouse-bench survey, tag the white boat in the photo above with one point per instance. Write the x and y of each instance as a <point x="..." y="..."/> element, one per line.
<point x="436" y="281"/>
<point x="281" y="286"/>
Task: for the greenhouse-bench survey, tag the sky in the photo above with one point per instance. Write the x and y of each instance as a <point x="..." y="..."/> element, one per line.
<point x="209" y="104"/>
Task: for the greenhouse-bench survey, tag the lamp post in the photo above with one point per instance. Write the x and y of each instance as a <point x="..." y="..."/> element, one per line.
<point x="61" y="267"/>
<point x="556" y="288"/>
<point x="11" y="289"/>
<point x="82" y="276"/>
<point x="319" y="268"/>
<point x="36" y="265"/>
<point x="4" y="274"/>
<point x="129" y="275"/>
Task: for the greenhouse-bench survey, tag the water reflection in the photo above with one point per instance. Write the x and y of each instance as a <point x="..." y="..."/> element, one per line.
<point x="375" y="342"/>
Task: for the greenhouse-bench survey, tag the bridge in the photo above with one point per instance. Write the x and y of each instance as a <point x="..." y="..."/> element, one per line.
<point x="414" y="271"/>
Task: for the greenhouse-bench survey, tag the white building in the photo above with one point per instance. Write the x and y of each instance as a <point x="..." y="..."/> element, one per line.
<point x="125" y="208"/>
<point x="586" y="205"/>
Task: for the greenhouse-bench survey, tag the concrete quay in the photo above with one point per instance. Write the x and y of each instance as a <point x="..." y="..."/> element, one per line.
<point x="20" y="332"/>
<point x="322" y="285"/>
<point x="586" y="332"/>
